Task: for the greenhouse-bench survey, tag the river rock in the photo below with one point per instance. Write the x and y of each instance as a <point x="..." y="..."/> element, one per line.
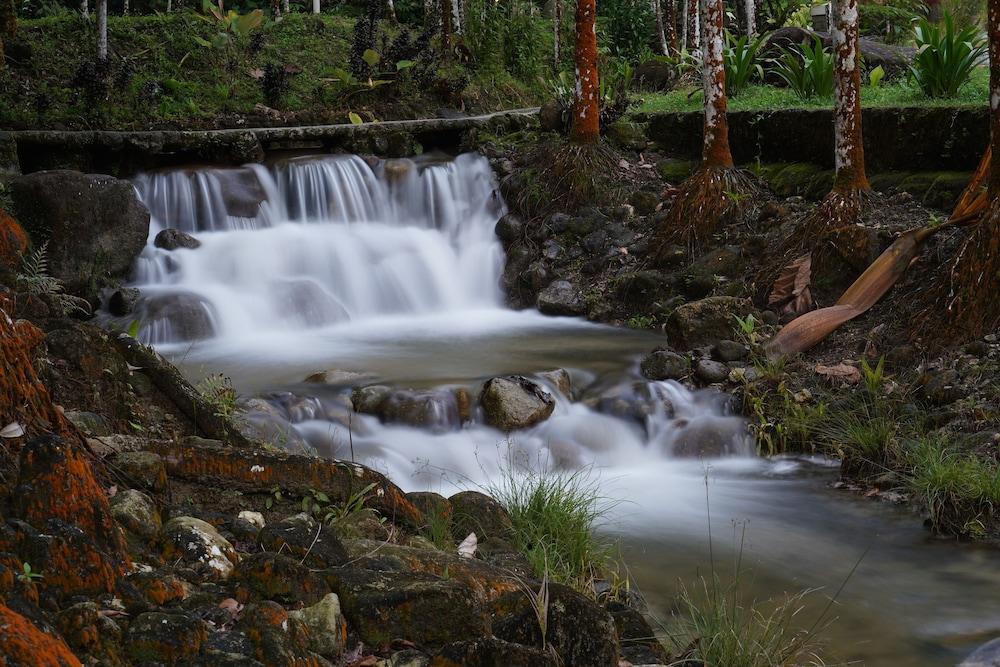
<point x="434" y="409"/>
<point x="580" y="632"/>
<point x="561" y="298"/>
<point x="492" y="652"/>
<point x="729" y="350"/>
<point x="475" y="512"/>
<point x="198" y="542"/>
<point x="987" y="655"/>
<point x="144" y="468"/>
<point x="636" y="637"/>
<point x="707" y="321"/>
<point x="710" y="371"/>
<point x="156" y="637"/>
<point x="337" y="376"/>
<point x="368" y="399"/>
<point x="274" y="576"/>
<point x="326" y="625"/>
<point x="123" y="301"/>
<point x="560" y="379"/>
<point x="509" y="229"/>
<point x="94" y="226"/>
<point x="136" y="513"/>
<point x="305" y="539"/>
<point x="514" y="402"/>
<point x="710" y="437"/>
<point x="664" y="365"/>
<point x="174" y="239"/>
<point x="187" y="316"/>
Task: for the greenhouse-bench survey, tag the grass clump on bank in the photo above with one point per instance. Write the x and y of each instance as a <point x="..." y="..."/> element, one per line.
<point x="554" y="515"/>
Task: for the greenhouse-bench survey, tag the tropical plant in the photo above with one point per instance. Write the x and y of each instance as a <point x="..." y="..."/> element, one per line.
<point x="807" y="70"/>
<point x="742" y="61"/>
<point x="627" y="25"/>
<point x="34" y="278"/>
<point x="946" y="56"/>
<point x="229" y="25"/>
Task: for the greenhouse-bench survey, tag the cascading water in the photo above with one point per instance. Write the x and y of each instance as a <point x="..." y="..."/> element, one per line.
<point x="389" y="272"/>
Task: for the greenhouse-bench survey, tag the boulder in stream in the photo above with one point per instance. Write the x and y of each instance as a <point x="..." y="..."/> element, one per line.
<point x="987" y="655"/>
<point x="512" y="403"/>
<point x="173" y="239"/>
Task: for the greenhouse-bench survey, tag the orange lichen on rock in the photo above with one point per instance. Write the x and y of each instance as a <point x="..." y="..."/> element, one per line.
<point x="13" y="241"/>
<point x="22" y="643"/>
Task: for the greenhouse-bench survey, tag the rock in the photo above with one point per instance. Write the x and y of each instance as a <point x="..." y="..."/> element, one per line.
<point x="198" y="542"/>
<point x="942" y="387"/>
<point x="537" y="276"/>
<point x="987" y="655"/>
<point x="276" y="432"/>
<point x="272" y="576"/>
<point x="156" y="637"/>
<point x="426" y="610"/>
<point x="654" y="75"/>
<point x="580" y="632"/>
<point x="303" y="537"/>
<point x="434" y="409"/>
<point x="144" y="468"/>
<point x="326" y="626"/>
<point x="430" y="503"/>
<point x="707" y="321"/>
<point x="492" y="652"/>
<point x="22" y="643"/>
<point x="475" y="512"/>
<point x="337" y="376"/>
<point x="560" y="380"/>
<point x="408" y="658"/>
<point x="279" y="640"/>
<point x="512" y="403"/>
<point x="729" y="350"/>
<point x="627" y="135"/>
<point x="91" y="423"/>
<point x="136" y="513"/>
<point x="123" y="301"/>
<point x="255" y="519"/>
<point x="160" y="588"/>
<point x="561" y="298"/>
<point x="711" y="437"/>
<point x="186" y="317"/>
<point x="95" y="226"/>
<point x="640" y="289"/>
<point x="639" y="645"/>
<point x="509" y="229"/>
<point x="550" y="117"/>
<point x="644" y="202"/>
<point x="90" y="633"/>
<point x="711" y="371"/>
<point x="368" y="399"/>
<point x="664" y="365"/>
<point x="636" y="401"/>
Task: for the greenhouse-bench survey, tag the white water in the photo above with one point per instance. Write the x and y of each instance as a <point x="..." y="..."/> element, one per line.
<point x="394" y="270"/>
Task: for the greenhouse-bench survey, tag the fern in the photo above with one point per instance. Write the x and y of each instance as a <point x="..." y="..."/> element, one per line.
<point x="35" y="279"/>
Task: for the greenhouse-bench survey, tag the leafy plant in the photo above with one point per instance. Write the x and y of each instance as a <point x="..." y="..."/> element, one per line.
<point x="218" y="391"/>
<point x="626" y="27"/>
<point x="742" y="62"/>
<point x="317" y="503"/>
<point x="438" y="528"/>
<point x="27" y="576"/>
<point x="230" y="26"/>
<point x="945" y="56"/>
<point x="273" y="497"/>
<point x="807" y="70"/>
<point x="34" y="279"/>
<point x="640" y="322"/>
<point x="875" y="76"/>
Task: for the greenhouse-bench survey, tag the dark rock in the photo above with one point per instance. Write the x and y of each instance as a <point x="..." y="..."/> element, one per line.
<point x="551" y="250"/>
<point x="707" y="321"/>
<point x="475" y="512"/>
<point x="581" y="633"/>
<point x="512" y="403"/>
<point x="430" y="408"/>
<point x="198" y="542"/>
<point x="187" y="317"/>
<point x="143" y="468"/>
<point x="537" y="276"/>
<point x="710" y="437"/>
<point x="156" y="637"/>
<point x="274" y="431"/>
<point x="431" y="612"/>
<point x="636" y="636"/>
<point x="492" y="652"/>
<point x="325" y="623"/>
<point x="644" y="201"/>
<point x="228" y="645"/>
<point x="509" y="229"/>
<point x="627" y="135"/>
<point x="160" y="588"/>
<point x="123" y="301"/>
<point x="636" y="401"/>
<point x="942" y="387"/>
<point x="559" y="222"/>
<point x="272" y="576"/>
<point x="561" y="298"/>
<point x="655" y="75"/>
<point x="368" y="399"/>
<point x="94" y="225"/>
<point x="729" y="350"/>
<point x="303" y="537"/>
<point x="22" y="642"/>
<point x="430" y="503"/>
<point x="642" y="288"/>
<point x="91" y="423"/>
<point x="664" y="365"/>
<point x="279" y="640"/>
<point x="978" y="348"/>
<point x="550" y="117"/>
<point x="136" y="513"/>
<point x="595" y="242"/>
<point x="90" y="633"/>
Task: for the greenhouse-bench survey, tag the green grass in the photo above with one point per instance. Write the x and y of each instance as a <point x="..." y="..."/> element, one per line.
<point x="761" y="98"/>
<point x="554" y="516"/>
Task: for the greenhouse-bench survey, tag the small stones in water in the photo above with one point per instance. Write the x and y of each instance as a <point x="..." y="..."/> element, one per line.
<point x="172" y="239"/>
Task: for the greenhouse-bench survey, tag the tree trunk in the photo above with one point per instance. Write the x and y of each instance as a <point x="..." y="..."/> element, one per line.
<point x="445" y="18"/>
<point x="685" y="10"/>
<point x="85" y="10"/>
<point x="316" y="7"/>
<point x="456" y="8"/>
<point x="8" y="24"/>
<point x="850" y="150"/>
<point x="751" y="18"/>
<point x="390" y="10"/>
<point x="556" y="34"/>
<point x="102" y="30"/>
<point x="993" y="27"/>
<point x="170" y="5"/>
<point x="586" y="127"/>
<point x="670" y="24"/>
<point x="287" y="6"/>
<point x="428" y="13"/>
<point x="661" y="35"/>
<point x="715" y="152"/>
<point x="693" y="34"/>
<point x="125" y="7"/>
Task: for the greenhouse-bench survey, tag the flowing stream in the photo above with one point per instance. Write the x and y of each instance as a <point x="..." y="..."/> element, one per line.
<point x="388" y="273"/>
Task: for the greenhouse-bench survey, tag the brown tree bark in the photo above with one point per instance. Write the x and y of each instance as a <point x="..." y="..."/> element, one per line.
<point x="715" y="150"/>
<point x="849" y="147"/>
<point x="670" y="24"/>
<point x="661" y="32"/>
<point x="446" y="16"/>
<point x="691" y="30"/>
<point x="586" y="124"/>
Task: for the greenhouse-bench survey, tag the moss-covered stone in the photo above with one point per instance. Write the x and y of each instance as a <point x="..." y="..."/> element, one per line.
<point x="162" y="638"/>
<point x="272" y="576"/>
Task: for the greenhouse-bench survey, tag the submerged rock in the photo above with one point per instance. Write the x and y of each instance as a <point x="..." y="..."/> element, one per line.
<point x="430" y="408"/>
<point x="175" y="318"/>
<point x="514" y="402"/>
<point x="173" y="239"/>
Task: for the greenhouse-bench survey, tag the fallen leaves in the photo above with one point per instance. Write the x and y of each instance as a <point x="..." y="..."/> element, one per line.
<point x="467" y="549"/>
<point x="840" y="372"/>
<point x="790" y="294"/>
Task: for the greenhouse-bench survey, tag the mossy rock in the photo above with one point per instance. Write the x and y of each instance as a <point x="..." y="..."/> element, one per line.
<point x="160" y="638"/>
<point x="946" y="189"/>
<point x="675" y="171"/>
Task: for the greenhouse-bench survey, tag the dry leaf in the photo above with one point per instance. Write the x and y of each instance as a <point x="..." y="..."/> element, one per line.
<point x="841" y="371"/>
<point x="791" y="290"/>
<point x="468" y="546"/>
<point x="12" y="430"/>
<point x="232" y="606"/>
<point x="367" y="661"/>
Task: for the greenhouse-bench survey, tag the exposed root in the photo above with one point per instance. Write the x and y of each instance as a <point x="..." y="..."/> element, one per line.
<point x="710" y="198"/>
<point x="567" y="176"/>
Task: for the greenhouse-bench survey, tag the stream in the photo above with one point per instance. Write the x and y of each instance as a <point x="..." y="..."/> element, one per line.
<point x="392" y="269"/>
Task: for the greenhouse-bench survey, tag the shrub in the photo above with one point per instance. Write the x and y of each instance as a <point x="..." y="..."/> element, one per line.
<point x="742" y="62"/>
<point x="274" y="82"/>
<point x="807" y="70"/>
<point x="890" y="22"/>
<point x="945" y="57"/>
<point x="507" y="36"/>
<point x="627" y="27"/>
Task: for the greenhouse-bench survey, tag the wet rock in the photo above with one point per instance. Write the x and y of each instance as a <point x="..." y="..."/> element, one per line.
<point x="559" y="379"/>
<point x="187" y="317"/>
<point x="561" y="298"/>
<point x="160" y="588"/>
<point x="136" y="513"/>
<point x="550" y="117"/>
<point x="91" y="423"/>
<point x="711" y="371"/>
<point x="337" y="376"/>
<point x="157" y="637"/>
<point x="368" y="399"/>
<point x="274" y="431"/>
<point x="580" y="632"/>
<point x="123" y="301"/>
<point x="707" y="321"/>
<point x="636" y="637"/>
<point x="303" y="537"/>
<point x="510" y="229"/>
<point x="90" y="633"/>
<point x="664" y="365"/>
<point x="729" y="350"/>
<point x="711" y="437"/>
<point x="305" y="303"/>
<point x="326" y="626"/>
<point x="636" y="401"/>
<point x="278" y="639"/>
<point x="492" y="652"/>
<point x="640" y="289"/>
<point x="95" y="226"/>
<point x="514" y="402"/>
<point x="23" y="643"/>
<point x="272" y="576"/>
<point x="198" y="542"/>
<point x="475" y="512"/>
<point x="942" y="387"/>
<point x="433" y="409"/>
<point x="431" y="612"/>
<point x="537" y="276"/>
<point x="143" y="468"/>
<point x="987" y="655"/>
<point x="551" y="250"/>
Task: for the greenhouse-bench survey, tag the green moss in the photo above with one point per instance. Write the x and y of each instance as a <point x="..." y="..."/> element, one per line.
<point x="675" y="171"/>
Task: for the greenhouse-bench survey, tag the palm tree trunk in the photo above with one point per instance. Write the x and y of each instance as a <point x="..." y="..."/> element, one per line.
<point x="849" y="147"/>
<point x="85" y="10"/>
<point x="661" y="35"/>
<point x="751" y="11"/>
<point x="586" y="127"/>
<point x="715" y="151"/>
<point x="316" y="7"/>
<point x="102" y="30"/>
<point x="693" y="33"/>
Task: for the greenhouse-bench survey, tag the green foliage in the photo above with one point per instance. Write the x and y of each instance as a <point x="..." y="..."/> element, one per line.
<point x="807" y="70"/>
<point x="890" y="22"/>
<point x="508" y="37"/>
<point x="273" y="497"/>
<point x="437" y="529"/>
<point x="317" y="503"/>
<point x="34" y="278"/>
<point x="945" y="56"/>
<point x="27" y="576"/>
<point x="641" y="322"/>
<point x="218" y="391"/>
<point x="626" y="27"/>
<point x="875" y="76"/>
<point x="554" y="515"/>
<point x="742" y="61"/>
<point x="228" y="26"/>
